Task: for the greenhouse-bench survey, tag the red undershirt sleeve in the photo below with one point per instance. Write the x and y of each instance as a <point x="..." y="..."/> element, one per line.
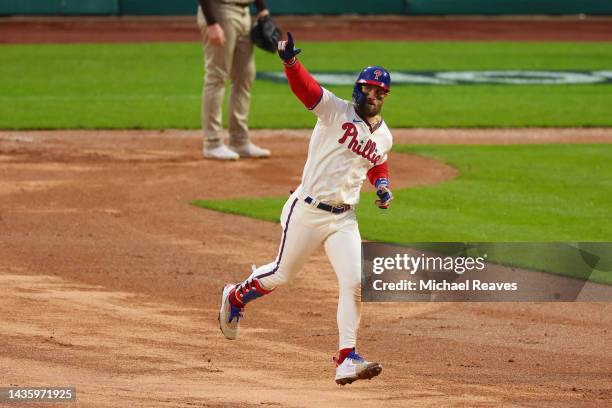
<point x="377" y="172"/>
<point x="303" y="85"/>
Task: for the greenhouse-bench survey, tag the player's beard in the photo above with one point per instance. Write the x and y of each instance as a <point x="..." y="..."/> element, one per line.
<point x="367" y="110"/>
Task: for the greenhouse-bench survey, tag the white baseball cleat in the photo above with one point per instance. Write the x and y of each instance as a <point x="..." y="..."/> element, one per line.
<point x="250" y="150"/>
<point x="229" y="315"/>
<point x="354" y="368"/>
<point x="220" y="153"/>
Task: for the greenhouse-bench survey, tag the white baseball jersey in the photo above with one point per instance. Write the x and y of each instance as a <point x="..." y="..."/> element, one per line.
<point x="342" y="149"/>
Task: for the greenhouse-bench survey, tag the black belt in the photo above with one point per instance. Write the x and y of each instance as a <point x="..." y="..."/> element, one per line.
<point x="327" y="207"/>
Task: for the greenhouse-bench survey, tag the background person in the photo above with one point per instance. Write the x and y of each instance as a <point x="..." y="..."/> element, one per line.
<point x="228" y="54"/>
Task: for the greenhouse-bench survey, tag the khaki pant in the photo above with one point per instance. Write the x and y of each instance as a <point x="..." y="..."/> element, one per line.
<point x="234" y="61"/>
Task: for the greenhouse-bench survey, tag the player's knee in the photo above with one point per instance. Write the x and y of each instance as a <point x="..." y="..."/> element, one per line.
<point x="277" y="279"/>
<point x="286" y="273"/>
<point x="350" y="292"/>
<point x="351" y="283"/>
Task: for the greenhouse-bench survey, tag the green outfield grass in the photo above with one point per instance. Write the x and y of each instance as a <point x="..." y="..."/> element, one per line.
<point x="530" y="193"/>
<point x="159" y="85"/>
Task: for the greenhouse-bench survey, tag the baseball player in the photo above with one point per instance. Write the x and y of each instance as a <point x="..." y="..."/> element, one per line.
<point x="349" y="143"/>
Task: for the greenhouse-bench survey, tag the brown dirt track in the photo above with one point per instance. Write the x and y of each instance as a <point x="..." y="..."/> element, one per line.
<point x="316" y="28"/>
<point x="109" y="281"/>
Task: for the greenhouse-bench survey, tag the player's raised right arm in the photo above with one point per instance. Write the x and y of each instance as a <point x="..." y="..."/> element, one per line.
<point x="301" y="82"/>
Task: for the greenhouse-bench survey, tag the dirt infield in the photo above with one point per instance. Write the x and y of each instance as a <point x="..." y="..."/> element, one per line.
<point x="318" y="28"/>
<point x="110" y="282"/>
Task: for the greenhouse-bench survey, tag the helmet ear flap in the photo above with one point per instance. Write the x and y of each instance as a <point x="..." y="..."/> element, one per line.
<point x="358" y="95"/>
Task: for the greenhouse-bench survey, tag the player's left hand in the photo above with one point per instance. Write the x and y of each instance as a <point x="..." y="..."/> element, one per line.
<point x="287" y="50"/>
<point x="384" y="196"/>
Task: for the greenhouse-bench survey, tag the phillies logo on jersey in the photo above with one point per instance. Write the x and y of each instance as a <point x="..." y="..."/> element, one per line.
<point x="366" y="151"/>
<point x="377" y="74"/>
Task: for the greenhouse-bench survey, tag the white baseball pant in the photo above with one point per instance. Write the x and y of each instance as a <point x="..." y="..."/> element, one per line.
<point x="304" y="229"/>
